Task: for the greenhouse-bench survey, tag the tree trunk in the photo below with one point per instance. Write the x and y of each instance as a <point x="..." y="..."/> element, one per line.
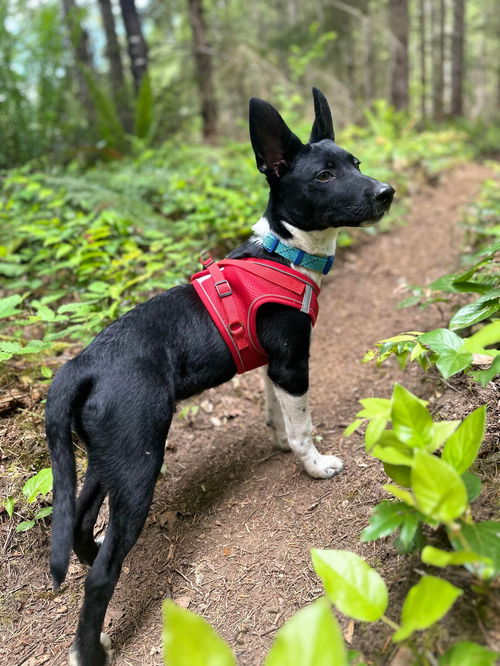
<point x="204" y="73"/>
<point x="137" y="47"/>
<point x="79" y="40"/>
<point x="457" y="58"/>
<point x="423" y="66"/>
<point x="398" y="23"/>
<point x="437" y="16"/>
<point x="113" y="54"/>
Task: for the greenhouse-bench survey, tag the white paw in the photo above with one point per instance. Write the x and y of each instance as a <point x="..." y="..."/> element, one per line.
<point x="323" y="467"/>
<point x="106" y="644"/>
<point x="74" y="658"/>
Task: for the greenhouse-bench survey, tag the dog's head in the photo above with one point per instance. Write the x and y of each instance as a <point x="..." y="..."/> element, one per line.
<point x="317" y="185"/>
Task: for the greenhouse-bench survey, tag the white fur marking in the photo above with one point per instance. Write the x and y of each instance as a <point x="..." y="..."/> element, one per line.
<point x="74" y="659"/>
<point x="298" y="425"/>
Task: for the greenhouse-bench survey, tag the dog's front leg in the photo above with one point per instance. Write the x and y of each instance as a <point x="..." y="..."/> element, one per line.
<point x="298" y="424"/>
<point x="274" y="415"/>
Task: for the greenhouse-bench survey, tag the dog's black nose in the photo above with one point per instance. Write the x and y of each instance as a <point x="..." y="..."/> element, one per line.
<point x="384" y="193"/>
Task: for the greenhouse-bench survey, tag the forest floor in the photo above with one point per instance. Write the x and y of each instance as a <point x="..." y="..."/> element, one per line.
<point x="232" y="520"/>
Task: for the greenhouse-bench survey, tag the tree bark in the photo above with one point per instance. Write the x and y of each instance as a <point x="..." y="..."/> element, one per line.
<point x="79" y="40"/>
<point x="204" y="72"/>
<point x="116" y="72"/>
<point x="457" y="58"/>
<point x="438" y="16"/>
<point x="423" y="65"/>
<point x="137" y="47"/>
<point x="398" y="23"/>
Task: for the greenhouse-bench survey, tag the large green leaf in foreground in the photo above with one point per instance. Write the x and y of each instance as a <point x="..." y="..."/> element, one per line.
<point x="351" y="584"/>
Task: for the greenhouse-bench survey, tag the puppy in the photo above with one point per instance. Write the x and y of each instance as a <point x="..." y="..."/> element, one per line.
<point x="119" y="393"/>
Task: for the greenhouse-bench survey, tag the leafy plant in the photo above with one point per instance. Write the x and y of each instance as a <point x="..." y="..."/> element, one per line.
<point x="445" y="350"/>
<point x="432" y="490"/>
<point x="37" y="487"/>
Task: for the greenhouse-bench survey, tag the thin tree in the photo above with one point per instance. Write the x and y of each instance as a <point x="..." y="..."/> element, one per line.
<point x="457" y="58"/>
<point x="116" y="71"/>
<point x="204" y="72"/>
<point x="79" y="41"/>
<point x="438" y="18"/>
<point x="422" y="55"/>
<point x="137" y="47"/>
<point x="398" y="23"/>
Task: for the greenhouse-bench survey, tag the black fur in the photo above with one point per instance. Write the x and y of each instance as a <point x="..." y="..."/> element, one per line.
<point x="119" y="394"/>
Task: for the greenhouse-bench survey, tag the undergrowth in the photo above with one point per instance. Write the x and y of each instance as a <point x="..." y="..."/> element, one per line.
<point x="79" y="248"/>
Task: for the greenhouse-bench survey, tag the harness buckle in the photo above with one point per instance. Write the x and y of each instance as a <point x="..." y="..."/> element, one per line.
<point x="206" y="259"/>
<point x="227" y="288"/>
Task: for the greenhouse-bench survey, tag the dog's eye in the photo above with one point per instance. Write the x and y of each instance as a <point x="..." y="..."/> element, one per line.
<point x="324" y="176"/>
<point x="356" y="163"/>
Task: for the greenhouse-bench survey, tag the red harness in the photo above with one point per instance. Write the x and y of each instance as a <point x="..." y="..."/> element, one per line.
<point x="232" y="290"/>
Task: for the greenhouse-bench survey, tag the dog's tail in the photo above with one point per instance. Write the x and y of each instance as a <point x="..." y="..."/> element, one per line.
<point x="61" y="399"/>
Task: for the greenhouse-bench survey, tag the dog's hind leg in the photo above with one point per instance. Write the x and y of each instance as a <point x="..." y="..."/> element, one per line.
<point x="274" y="415"/>
<point x="129" y="502"/>
<point x="88" y="504"/>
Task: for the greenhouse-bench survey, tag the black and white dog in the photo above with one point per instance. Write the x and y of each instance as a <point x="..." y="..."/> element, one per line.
<point x="119" y="394"/>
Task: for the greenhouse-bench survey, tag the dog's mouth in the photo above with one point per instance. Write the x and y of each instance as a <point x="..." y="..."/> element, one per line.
<point x="374" y="219"/>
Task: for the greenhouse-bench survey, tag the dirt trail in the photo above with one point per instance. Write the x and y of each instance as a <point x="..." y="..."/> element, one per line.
<point x="232" y="521"/>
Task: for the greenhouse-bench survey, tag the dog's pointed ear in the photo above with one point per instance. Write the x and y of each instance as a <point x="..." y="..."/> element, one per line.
<point x="274" y="144"/>
<point x="323" y="124"/>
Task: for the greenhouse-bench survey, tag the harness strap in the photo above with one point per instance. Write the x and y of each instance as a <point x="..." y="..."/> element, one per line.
<point x="274" y="275"/>
<point x="223" y="288"/>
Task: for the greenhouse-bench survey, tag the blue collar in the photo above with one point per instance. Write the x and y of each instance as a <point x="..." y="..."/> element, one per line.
<point x="272" y="243"/>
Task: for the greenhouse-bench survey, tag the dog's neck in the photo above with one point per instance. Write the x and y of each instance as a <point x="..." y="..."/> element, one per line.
<point x="322" y="243"/>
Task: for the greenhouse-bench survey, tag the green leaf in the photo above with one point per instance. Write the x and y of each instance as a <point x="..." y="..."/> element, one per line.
<point x="486" y="336"/>
<point x="485" y="306"/>
<point x="395" y="455"/>
<point x="25" y="526"/>
<point x="462" y="447"/>
<point x="408" y="531"/>
<point x="312" y="637"/>
<point x="485" y="376"/>
<point x="354" y="587"/>
<point x="374" y="429"/>
<point x="440" y="433"/>
<point x="441" y="340"/>
<point x="40" y="484"/>
<point x="439" y="491"/>
<point x="189" y="639"/>
<point x="426" y="603"/>
<point x="375" y="408"/>
<point x="43" y="513"/>
<point x="352" y="427"/>
<point x="452" y="362"/>
<point x="401" y="474"/>
<point x="9" y="505"/>
<point x="444" y="558"/>
<point x="473" y="485"/>
<point x="8" y="306"/>
<point x="411" y="421"/>
<point x="482" y="538"/>
<point x="466" y="653"/>
<point x="144" y="109"/>
<point x="46" y="372"/>
<point x="400" y="493"/>
<point x="385" y="518"/>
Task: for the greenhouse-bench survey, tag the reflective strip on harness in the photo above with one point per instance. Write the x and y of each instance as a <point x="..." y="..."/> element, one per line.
<point x="233" y="290"/>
